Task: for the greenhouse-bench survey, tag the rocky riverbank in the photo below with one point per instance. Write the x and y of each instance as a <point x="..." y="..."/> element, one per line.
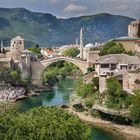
<point x="9" y="93"/>
<point x="124" y="131"/>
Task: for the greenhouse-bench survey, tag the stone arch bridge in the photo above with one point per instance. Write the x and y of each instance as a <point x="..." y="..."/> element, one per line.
<point x="38" y="67"/>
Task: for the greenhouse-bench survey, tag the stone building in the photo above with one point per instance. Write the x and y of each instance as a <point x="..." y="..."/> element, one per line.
<point x="131" y="80"/>
<point x="134" y="29"/>
<point x="120" y="66"/>
<point x="90" y="54"/>
<point x="17" y="45"/>
<point x="130" y="42"/>
<point x="114" y="63"/>
<point x="6" y="62"/>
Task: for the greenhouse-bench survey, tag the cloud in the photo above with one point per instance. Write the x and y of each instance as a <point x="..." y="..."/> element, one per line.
<point x="75" y="8"/>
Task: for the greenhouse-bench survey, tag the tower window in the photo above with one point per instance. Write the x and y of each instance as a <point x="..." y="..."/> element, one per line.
<point x="135" y="67"/>
<point x="20" y="42"/>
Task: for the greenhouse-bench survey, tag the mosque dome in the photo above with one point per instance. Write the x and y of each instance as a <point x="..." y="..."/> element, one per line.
<point x="89" y="46"/>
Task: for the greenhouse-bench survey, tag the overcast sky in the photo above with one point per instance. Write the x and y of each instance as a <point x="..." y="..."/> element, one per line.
<point x="72" y="8"/>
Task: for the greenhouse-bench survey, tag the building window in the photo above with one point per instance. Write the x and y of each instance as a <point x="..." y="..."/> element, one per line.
<point x="123" y="67"/>
<point x="129" y="67"/>
<point x="113" y="67"/>
<point x="135" y="67"/>
<point x="20" y="42"/>
<point x="104" y="65"/>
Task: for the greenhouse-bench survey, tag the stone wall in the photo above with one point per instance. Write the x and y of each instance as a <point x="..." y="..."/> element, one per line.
<point x="137" y="47"/>
<point x="92" y="56"/>
<point x="131" y="81"/>
<point x="133" y="30"/>
<point x="25" y="69"/>
<point x="102" y="83"/>
<point x="88" y="77"/>
<point x="36" y="72"/>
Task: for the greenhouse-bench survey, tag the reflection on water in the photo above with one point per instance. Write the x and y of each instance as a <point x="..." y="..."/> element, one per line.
<point x="98" y="134"/>
<point x="58" y="96"/>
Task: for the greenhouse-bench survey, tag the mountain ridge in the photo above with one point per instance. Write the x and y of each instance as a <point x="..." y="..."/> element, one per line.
<point x="46" y="29"/>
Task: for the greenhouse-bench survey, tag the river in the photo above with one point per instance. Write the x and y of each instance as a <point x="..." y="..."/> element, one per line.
<point x="60" y="94"/>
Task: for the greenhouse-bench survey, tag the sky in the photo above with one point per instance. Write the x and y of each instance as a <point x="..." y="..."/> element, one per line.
<point x="73" y="8"/>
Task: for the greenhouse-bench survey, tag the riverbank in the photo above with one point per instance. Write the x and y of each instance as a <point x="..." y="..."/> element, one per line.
<point x="10" y="93"/>
<point x="124" y="131"/>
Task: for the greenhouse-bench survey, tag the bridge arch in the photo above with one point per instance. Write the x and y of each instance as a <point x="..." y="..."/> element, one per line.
<point x="82" y="65"/>
<point x="37" y="68"/>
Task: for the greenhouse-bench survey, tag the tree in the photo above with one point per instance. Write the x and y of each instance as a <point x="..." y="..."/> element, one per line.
<point x="112" y="48"/>
<point x="135" y="107"/>
<point x="116" y="96"/>
<point x="15" y="76"/>
<point x="43" y="123"/>
<point x="71" y="52"/>
<point x="36" y="50"/>
<point x="90" y="69"/>
<point x="50" y="75"/>
<point x="83" y="89"/>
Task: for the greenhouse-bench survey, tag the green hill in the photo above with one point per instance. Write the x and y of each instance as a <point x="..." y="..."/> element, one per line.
<point x="46" y="29"/>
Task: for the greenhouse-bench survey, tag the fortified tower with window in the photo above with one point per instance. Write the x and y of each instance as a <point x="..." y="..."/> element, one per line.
<point x="134" y="29"/>
<point x="17" y="45"/>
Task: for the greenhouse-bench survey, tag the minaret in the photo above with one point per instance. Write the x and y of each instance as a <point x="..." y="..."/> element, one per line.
<point x="1" y="47"/>
<point x="1" y="44"/>
<point x="76" y="42"/>
<point x="81" y="43"/>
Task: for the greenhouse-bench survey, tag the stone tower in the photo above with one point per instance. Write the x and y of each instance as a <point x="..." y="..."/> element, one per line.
<point x="134" y="29"/>
<point x="81" y="43"/>
<point x="17" y="45"/>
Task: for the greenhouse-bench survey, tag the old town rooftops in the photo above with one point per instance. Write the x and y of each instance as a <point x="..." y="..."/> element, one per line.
<point x="118" y="58"/>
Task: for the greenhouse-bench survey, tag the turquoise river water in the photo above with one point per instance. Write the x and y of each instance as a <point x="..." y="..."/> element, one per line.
<point x="60" y="94"/>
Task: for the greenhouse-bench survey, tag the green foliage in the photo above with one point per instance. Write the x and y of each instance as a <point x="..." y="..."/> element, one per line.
<point x="50" y="75"/>
<point x="112" y="48"/>
<point x="90" y="69"/>
<point x="95" y="82"/>
<point x="36" y="50"/>
<point x="9" y="75"/>
<point x="130" y="53"/>
<point x="83" y="89"/>
<point x="71" y="52"/>
<point x="43" y="123"/>
<point x="13" y="76"/>
<point x="61" y="68"/>
<point x="91" y="100"/>
<point x="116" y="97"/>
<point x="135" y="107"/>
